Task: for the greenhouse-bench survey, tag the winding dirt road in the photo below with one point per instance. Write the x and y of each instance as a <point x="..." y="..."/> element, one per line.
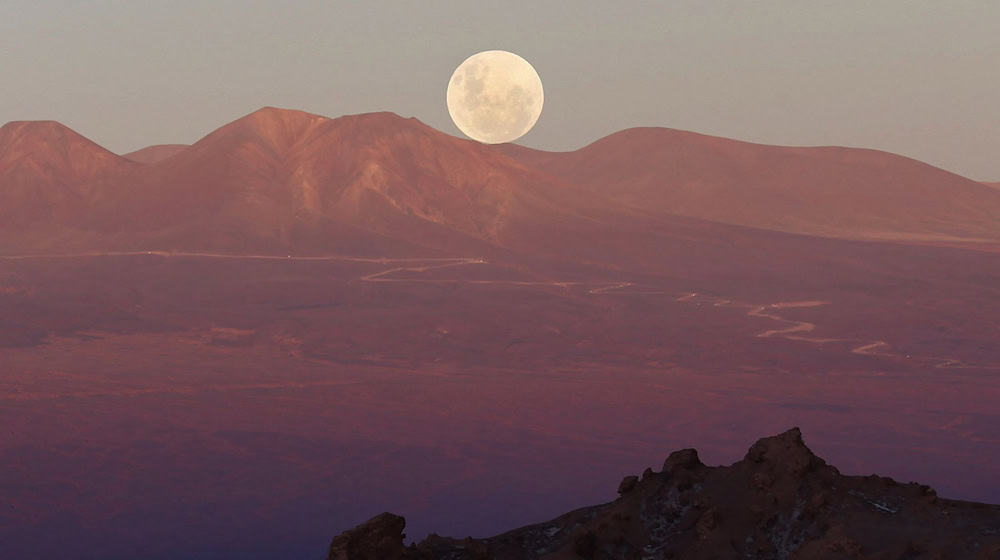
<point x="793" y="331"/>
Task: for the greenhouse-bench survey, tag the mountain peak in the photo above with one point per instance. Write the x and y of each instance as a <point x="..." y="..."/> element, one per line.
<point x="271" y="114"/>
<point x="38" y="133"/>
<point x="279" y="127"/>
<point x="42" y="126"/>
<point x="380" y="117"/>
<point x="49" y="172"/>
<point x="29" y="143"/>
<point x="13" y="126"/>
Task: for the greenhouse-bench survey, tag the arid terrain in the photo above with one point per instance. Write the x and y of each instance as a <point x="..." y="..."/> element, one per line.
<point x="247" y="345"/>
<point x="779" y="501"/>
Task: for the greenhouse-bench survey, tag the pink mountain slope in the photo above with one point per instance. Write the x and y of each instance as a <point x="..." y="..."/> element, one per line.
<point x="280" y="179"/>
<point x="829" y="191"/>
<point x="155" y="153"/>
<point x="50" y="173"/>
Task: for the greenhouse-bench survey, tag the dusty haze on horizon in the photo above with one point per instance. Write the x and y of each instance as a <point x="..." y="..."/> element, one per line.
<point x="916" y="78"/>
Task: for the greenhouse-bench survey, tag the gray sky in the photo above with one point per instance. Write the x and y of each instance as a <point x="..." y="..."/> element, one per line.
<point x="920" y="78"/>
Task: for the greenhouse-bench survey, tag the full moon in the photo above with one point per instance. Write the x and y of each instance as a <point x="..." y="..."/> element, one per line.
<point x="495" y="97"/>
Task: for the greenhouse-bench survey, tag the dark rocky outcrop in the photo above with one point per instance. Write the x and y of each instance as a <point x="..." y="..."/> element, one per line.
<point x="379" y="538"/>
<point x="780" y="502"/>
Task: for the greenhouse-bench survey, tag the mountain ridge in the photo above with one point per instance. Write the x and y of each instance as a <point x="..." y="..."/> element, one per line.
<point x="828" y="191"/>
<point x="377" y="171"/>
<point x="155" y="153"/>
<point x="48" y="171"/>
<point x="283" y="180"/>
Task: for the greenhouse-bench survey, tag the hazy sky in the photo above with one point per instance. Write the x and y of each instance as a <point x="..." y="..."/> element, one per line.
<point x="921" y="78"/>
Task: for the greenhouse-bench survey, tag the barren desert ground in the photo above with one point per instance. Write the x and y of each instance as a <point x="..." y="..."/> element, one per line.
<point x="152" y="402"/>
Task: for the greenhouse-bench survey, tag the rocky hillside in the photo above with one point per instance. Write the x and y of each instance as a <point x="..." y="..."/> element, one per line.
<point x="780" y="501"/>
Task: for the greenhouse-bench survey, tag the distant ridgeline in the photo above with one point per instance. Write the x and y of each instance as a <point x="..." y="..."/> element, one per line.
<point x="287" y="181"/>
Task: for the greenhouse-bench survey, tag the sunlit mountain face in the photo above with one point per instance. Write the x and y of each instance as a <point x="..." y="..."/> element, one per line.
<point x="282" y="178"/>
<point x="244" y="346"/>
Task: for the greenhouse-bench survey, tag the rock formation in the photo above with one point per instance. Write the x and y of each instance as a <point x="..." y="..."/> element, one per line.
<point x="780" y="502"/>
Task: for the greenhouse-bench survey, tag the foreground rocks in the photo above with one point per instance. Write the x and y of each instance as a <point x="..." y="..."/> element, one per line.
<point x="780" y="502"/>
